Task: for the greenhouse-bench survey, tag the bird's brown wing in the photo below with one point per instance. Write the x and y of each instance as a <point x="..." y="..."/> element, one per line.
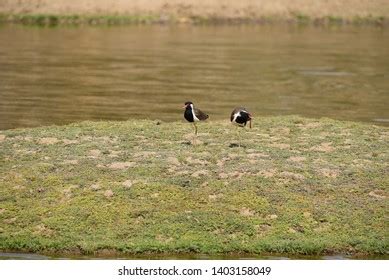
<point x="232" y="115"/>
<point x="200" y="114"/>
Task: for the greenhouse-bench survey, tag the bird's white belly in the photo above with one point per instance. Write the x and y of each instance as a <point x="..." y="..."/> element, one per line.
<point x="194" y="117"/>
<point x="236" y="116"/>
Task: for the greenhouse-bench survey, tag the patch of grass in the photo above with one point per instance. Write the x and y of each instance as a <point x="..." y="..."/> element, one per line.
<point x="53" y="20"/>
<point x="335" y="20"/>
<point x="299" y="186"/>
<point x="376" y="20"/>
<point x="302" y="18"/>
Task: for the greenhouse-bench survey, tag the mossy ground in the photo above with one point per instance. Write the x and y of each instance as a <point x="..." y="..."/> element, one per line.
<point x="296" y="186"/>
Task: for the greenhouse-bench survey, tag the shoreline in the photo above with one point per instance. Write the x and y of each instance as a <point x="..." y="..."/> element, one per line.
<point x="116" y="254"/>
<point x="196" y="11"/>
<point x="52" y="20"/>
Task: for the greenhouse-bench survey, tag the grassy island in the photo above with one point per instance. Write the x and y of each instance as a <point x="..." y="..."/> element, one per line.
<point x="297" y="185"/>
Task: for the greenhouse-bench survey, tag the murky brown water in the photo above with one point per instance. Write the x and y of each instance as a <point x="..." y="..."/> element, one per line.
<point x="61" y="75"/>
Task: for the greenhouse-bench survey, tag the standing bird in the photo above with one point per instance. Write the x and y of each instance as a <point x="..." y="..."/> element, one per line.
<point x="240" y="116"/>
<point x="193" y="115"/>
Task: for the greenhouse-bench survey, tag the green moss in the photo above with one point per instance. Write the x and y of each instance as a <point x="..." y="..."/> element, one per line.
<point x="299" y="186"/>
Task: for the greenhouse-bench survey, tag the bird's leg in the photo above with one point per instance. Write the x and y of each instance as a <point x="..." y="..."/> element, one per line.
<point x="239" y="136"/>
<point x="195" y="134"/>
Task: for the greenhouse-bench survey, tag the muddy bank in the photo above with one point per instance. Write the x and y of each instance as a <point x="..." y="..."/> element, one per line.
<point x="111" y="254"/>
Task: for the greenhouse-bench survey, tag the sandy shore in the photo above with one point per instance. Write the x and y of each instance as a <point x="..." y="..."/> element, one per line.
<point x="230" y="9"/>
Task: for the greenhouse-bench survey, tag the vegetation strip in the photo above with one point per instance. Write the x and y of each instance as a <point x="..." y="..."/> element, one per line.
<point x="300" y="19"/>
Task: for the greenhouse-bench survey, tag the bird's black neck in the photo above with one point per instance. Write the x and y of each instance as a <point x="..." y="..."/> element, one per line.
<point x="188" y="114"/>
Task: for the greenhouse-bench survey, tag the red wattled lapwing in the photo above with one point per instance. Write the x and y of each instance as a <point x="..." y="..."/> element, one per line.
<point x="240" y="116"/>
<point x="193" y="115"/>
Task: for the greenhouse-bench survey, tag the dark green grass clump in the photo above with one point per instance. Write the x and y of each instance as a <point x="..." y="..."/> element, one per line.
<point x="54" y="20"/>
<point x="296" y="186"/>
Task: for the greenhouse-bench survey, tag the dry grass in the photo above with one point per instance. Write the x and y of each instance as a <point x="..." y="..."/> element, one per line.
<point x="203" y="8"/>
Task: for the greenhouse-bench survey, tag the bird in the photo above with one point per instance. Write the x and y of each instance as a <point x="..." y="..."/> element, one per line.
<point x="240" y="116"/>
<point x="193" y="114"/>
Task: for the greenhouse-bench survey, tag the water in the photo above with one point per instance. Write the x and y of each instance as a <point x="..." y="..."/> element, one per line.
<point x="68" y="74"/>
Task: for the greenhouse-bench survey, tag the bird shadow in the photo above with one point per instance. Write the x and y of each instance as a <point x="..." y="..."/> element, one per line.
<point x="235" y="145"/>
<point x="190" y="143"/>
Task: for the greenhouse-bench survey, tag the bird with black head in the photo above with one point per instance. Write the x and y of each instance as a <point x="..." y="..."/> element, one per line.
<point x="240" y="116"/>
<point x="193" y="115"/>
